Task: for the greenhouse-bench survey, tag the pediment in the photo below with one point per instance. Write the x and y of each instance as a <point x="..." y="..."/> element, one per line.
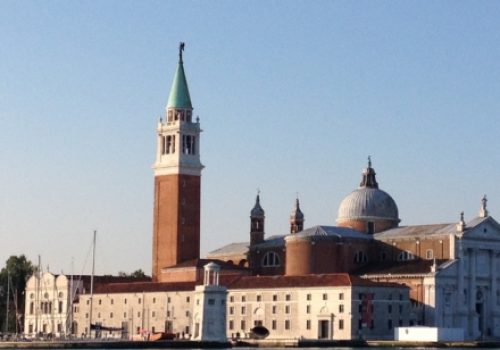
<point x="487" y="229"/>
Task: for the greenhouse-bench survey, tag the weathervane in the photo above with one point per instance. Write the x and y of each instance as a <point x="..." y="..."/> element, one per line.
<point x="181" y="48"/>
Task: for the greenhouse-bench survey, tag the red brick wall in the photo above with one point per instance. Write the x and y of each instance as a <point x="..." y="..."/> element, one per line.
<point x="361" y="225"/>
<point x="440" y="246"/>
<point x="176" y="227"/>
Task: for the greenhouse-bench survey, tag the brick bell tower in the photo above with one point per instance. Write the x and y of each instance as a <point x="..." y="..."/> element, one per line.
<point x="177" y="170"/>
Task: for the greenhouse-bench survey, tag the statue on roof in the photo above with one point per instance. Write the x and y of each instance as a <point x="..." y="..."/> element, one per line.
<point x="181" y="48"/>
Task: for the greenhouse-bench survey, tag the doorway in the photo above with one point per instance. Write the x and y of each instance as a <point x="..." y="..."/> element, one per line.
<point x="323" y="326"/>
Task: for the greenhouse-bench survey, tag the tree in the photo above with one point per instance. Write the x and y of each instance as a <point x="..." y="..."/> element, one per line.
<point x="136" y="274"/>
<point x="13" y="278"/>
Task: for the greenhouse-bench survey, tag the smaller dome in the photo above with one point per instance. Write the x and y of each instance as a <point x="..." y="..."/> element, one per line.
<point x="257" y="210"/>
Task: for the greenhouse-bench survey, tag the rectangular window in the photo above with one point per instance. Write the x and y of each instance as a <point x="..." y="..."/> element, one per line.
<point x="341" y="308"/>
<point x="341" y="296"/>
<point x="231" y="324"/>
<point x="287" y="324"/>
<point x="243" y="298"/>
<point x="308" y="309"/>
<point x="124" y="315"/>
<point x="325" y="296"/>
<point x="287" y="309"/>
<point x="139" y="301"/>
<point x="243" y="325"/>
<point x="231" y="310"/>
<point x="188" y="299"/>
<point x="211" y="301"/>
<point x="259" y="298"/>
<point x="308" y="324"/>
<point x="275" y="297"/>
<point x="308" y="297"/>
<point x="231" y="299"/>
<point x="389" y="324"/>
<point x="389" y="309"/>
<point x="125" y="301"/>
<point x="273" y="324"/>
<point x="274" y="309"/>
<point x="154" y="301"/>
<point x="110" y="315"/>
<point x="168" y="300"/>
<point x="60" y="307"/>
<point x="287" y="297"/>
<point x="400" y="309"/>
<point x="341" y="324"/>
<point x="243" y="310"/>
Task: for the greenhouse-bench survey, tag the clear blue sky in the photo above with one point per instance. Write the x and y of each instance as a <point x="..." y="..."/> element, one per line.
<point x="292" y="97"/>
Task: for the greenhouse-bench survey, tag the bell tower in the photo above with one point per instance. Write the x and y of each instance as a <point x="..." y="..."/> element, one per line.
<point x="257" y="217"/>
<point x="177" y="171"/>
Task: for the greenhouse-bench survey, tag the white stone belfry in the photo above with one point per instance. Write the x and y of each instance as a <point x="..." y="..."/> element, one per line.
<point x="209" y="321"/>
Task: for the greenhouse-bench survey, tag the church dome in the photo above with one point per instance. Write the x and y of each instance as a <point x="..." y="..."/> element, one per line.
<point x="368" y="208"/>
<point x="368" y="203"/>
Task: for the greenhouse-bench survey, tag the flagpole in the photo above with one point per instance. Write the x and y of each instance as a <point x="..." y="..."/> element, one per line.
<point x="92" y="283"/>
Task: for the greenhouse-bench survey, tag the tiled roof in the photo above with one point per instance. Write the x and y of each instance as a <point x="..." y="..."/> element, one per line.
<point x="413" y="267"/>
<point x="417" y="231"/>
<point x="143" y="287"/>
<point x="324" y="280"/>
<point x="229" y="249"/>
<point x="332" y="231"/>
<point x="199" y="263"/>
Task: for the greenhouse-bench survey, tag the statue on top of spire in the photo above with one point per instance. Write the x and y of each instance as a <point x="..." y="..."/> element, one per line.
<point x="181" y="48"/>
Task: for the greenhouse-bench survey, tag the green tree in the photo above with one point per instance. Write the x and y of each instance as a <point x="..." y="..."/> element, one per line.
<point x="136" y="274"/>
<point x="13" y="276"/>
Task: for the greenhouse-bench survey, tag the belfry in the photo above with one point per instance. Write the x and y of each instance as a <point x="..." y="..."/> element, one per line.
<point x="177" y="171"/>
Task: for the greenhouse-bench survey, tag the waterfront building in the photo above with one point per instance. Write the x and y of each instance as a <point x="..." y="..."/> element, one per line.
<point x="357" y="278"/>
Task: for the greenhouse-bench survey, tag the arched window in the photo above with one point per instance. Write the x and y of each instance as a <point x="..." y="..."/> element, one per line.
<point x="405" y="256"/>
<point x="360" y="257"/>
<point x="270" y="259"/>
<point x="429" y="254"/>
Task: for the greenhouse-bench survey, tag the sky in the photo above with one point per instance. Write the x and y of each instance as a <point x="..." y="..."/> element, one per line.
<point x="293" y="96"/>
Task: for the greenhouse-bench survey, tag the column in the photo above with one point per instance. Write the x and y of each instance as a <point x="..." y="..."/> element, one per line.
<point x="471" y="312"/>
<point x="493" y="309"/>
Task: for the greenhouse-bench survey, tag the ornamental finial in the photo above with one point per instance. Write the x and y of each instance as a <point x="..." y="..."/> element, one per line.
<point x="181" y="48"/>
<point x="483" y="212"/>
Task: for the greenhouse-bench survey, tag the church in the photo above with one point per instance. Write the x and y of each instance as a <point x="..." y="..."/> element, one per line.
<point x="358" y="279"/>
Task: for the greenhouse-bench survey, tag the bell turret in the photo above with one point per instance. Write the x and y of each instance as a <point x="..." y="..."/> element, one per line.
<point x="257" y="217"/>
<point x="296" y="218"/>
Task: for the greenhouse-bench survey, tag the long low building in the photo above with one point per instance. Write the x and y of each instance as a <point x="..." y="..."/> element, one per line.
<point x="330" y="306"/>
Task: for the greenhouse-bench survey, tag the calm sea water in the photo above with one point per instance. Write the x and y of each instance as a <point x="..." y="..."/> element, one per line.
<point x="322" y="348"/>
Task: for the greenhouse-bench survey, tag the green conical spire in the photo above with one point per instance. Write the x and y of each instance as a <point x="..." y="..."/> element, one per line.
<point x="179" y="93"/>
